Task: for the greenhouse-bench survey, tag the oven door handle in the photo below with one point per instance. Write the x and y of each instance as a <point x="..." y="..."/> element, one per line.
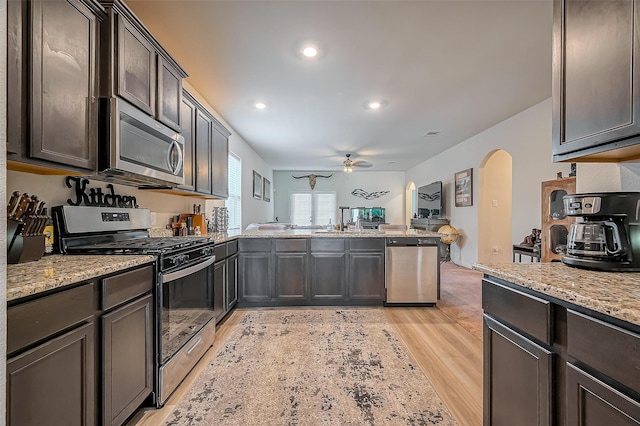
<point x="188" y="271"/>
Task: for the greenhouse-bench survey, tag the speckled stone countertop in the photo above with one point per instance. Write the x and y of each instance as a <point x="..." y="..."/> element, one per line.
<point x="50" y="272"/>
<point x="221" y="237"/>
<point x="615" y="294"/>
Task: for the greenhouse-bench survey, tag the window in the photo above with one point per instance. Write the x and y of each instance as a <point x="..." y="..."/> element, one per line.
<point x="234" y="202"/>
<point x="312" y="208"/>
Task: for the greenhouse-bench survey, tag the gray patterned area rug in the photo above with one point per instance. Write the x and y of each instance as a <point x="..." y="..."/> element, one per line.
<point x="312" y="367"/>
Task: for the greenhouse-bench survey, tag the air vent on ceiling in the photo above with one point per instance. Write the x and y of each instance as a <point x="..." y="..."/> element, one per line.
<point x="431" y="133"/>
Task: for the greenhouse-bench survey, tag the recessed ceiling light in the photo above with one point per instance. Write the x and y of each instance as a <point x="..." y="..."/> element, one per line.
<point x="310" y="51"/>
<point x="374" y="105"/>
<point x="260" y="105"/>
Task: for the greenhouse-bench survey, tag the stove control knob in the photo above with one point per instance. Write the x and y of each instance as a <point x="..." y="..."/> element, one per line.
<point x="175" y="260"/>
<point x="207" y="251"/>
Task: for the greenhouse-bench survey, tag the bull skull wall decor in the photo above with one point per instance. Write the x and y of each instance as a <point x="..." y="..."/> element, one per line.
<point x="312" y="179"/>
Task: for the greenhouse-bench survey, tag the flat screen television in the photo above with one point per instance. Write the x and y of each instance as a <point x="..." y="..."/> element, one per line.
<point x="430" y="201"/>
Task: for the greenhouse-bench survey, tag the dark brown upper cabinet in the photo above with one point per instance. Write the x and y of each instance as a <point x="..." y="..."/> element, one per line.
<point x="203" y="152"/>
<point x="136" y="77"/>
<point x="188" y="120"/>
<point x="169" y="94"/>
<point x="206" y="150"/>
<point x="143" y="72"/>
<point x="52" y="79"/>
<point x="220" y="161"/>
<point x="596" y="67"/>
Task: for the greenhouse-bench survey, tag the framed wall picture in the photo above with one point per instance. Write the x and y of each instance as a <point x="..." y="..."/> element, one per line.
<point x="266" y="190"/>
<point x="464" y="188"/>
<point x="257" y="185"/>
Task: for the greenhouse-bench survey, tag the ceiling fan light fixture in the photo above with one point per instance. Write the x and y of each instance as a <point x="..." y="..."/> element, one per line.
<point x="348" y="169"/>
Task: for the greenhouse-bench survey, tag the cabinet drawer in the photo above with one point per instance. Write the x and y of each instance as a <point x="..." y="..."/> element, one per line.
<point x="609" y="349"/>
<point x="254" y="244"/>
<point x="524" y="311"/>
<point x="232" y="247"/>
<point x="33" y="321"/>
<point x="291" y="245"/>
<point x="129" y="285"/>
<point x="366" y="244"/>
<point x="327" y="245"/>
<point x="220" y="252"/>
<point x="593" y="402"/>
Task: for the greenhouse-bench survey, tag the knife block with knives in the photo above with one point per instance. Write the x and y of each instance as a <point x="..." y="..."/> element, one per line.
<point x="26" y="220"/>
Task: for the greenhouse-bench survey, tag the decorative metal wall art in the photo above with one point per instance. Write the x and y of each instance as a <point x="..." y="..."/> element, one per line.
<point x="368" y="195"/>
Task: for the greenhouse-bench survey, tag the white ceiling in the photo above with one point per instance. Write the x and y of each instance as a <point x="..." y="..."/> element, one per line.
<point x="458" y="67"/>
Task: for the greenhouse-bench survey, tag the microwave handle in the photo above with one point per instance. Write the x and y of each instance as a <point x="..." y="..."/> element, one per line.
<point x="174" y="145"/>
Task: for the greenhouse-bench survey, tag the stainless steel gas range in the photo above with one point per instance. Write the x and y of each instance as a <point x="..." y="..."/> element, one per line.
<point x="185" y="326"/>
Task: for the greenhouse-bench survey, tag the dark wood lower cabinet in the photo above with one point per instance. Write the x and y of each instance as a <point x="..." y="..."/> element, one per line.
<point x="366" y="276"/>
<point x="232" y="282"/>
<point x="591" y="402"/>
<point x="517" y="378"/>
<point x="290" y="276"/>
<point x="255" y="276"/>
<point x="311" y="271"/>
<point x="585" y="374"/>
<point x="219" y="284"/>
<point x="128" y="359"/>
<point x="328" y="276"/>
<point x="54" y="382"/>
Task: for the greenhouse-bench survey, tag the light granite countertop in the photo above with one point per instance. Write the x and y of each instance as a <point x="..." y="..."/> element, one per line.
<point x="51" y="272"/>
<point x="615" y="294"/>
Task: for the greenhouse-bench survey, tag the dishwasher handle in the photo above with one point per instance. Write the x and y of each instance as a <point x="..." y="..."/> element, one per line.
<point x="412" y="243"/>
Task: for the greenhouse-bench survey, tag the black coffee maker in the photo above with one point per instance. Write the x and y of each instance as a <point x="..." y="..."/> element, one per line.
<point x="608" y="237"/>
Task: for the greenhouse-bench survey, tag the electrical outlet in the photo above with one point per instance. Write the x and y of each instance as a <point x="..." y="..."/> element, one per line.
<point x="494" y="203"/>
<point x="153" y="218"/>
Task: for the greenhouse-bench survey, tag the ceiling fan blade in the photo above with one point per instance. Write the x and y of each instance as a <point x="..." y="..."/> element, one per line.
<point x="361" y="164"/>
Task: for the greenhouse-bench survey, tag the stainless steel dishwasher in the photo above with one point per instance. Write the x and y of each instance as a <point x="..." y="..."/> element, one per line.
<point x="412" y="271"/>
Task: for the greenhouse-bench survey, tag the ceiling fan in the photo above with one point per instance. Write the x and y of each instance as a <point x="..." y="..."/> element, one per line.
<point x="349" y="164"/>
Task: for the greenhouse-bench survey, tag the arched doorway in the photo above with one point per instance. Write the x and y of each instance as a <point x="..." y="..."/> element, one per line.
<point x="410" y="203"/>
<point x="494" y="208"/>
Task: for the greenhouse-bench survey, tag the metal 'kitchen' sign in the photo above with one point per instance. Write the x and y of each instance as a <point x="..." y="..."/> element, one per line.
<point x="95" y="197"/>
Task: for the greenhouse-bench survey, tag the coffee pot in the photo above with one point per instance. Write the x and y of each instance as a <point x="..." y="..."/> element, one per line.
<point x="596" y="239"/>
<point x="608" y="236"/>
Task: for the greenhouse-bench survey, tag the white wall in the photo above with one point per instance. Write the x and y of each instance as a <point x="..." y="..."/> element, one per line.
<point x="606" y="177"/>
<point x="253" y="210"/>
<point x="527" y="138"/>
<point x="343" y="184"/>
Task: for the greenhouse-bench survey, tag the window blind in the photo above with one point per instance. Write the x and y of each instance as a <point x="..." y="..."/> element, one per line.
<point x="312" y="208"/>
<point x="234" y="202"/>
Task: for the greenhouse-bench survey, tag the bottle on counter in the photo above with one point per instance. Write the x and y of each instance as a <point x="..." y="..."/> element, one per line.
<point x="48" y="235"/>
<point x="329" y="226"/>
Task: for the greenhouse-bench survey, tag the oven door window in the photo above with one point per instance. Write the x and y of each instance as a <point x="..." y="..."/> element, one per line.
<point x="187" y="305"/>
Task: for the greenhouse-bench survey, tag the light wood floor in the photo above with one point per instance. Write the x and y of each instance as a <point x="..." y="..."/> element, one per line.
<point x="446" y="343"/>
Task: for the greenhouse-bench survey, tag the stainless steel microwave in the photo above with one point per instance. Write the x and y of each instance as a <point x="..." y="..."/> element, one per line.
<point x="135" y="149"/>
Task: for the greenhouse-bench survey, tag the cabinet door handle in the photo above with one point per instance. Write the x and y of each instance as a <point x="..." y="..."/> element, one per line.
<point x="194" y="345"/>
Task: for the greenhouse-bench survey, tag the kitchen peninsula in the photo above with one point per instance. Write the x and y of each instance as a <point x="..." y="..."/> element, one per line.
<point x="303" y="267"/>
<point x="569" y="337"/>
